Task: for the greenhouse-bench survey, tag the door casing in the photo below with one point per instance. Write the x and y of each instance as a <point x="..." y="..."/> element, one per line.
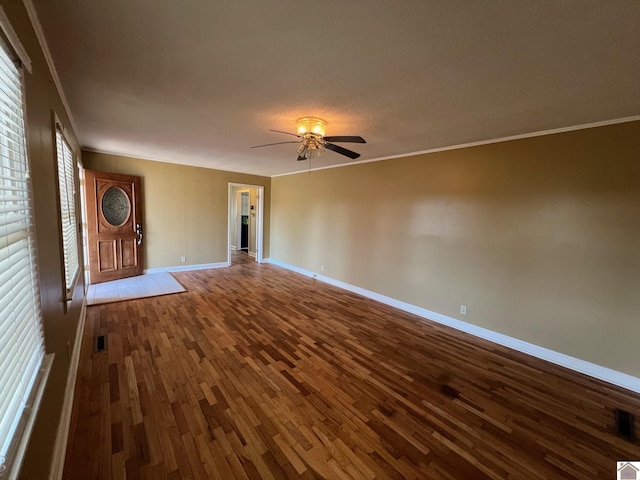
<point x="259" y="219"/>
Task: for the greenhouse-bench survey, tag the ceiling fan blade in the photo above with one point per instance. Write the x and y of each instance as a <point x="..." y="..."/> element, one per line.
<point x="286" y="133"/>
<point x="269" y="144"/>
<point x="350" y="139"/>
<point x="341" y="150"/>
<point x="300" y="157"/>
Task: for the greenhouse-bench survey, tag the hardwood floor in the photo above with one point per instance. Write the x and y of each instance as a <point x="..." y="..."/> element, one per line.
<point x="239" y="257"/>
<point x="257" y="372"/>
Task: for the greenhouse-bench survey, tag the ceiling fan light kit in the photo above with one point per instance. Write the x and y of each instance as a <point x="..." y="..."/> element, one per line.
<point x="317" y="126"/>
<point x="311" y="131"/>
<point x="312" y="145"/>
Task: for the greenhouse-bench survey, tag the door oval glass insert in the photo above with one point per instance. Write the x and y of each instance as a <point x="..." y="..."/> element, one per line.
<point x="115" y="206"/>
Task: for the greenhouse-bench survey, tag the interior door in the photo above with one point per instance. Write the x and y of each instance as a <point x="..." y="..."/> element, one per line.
<point x="114" y="225"/>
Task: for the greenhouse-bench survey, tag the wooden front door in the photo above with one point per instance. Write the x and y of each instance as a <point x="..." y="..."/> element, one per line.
<point x="114" y="225"/>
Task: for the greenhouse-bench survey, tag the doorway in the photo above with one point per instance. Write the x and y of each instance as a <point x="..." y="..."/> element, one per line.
<point x="246" y="210"/>
<point x="114" y="225"/>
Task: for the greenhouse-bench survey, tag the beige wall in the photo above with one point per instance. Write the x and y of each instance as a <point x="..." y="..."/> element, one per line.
<point x="185" y="208"/>
<point x="539" y="238"/>
<point x="59" y="325"/>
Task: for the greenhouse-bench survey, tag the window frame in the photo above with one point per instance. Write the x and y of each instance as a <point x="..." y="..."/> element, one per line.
<point x="66" y="200"/>
<point x="26" y="396"/>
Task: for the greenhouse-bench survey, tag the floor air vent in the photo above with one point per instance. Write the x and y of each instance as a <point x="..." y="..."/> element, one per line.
<point x="101" y="343"/>
<point x="625" y="425"/>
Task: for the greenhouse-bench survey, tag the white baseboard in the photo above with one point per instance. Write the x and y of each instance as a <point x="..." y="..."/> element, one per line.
<point x="591" y="369"/>
<point x="266" y="260"/>
<point x="187" y="268"/>
<point x="233" y="247"/>
<point x="60" y="446"/>
<point x="252" y="254"/>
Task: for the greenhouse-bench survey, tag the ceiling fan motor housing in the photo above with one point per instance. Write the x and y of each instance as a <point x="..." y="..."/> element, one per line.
<point x="312" y="145"/>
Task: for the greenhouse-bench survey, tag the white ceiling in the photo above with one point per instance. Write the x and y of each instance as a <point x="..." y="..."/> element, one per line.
<point x="198" y="82"/>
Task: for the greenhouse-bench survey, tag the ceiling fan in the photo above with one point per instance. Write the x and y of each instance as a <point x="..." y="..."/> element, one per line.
<point x="312" y="141"/>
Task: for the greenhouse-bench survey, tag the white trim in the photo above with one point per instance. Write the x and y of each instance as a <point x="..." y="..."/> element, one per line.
<point x="252" y="254"/>
<point x="591" y="369"/>
<point x="232" y="247"/>
<point x="293" y="268"/>
<point x="260" y="219"/>
<point x="238" y="224"/>
<point x="170" y="161"/>
<point x="266" y="260"/>
<point x="37" y="28"/>
<point x="14" y="40"/>
<point x="540" y="133"/>
<point x="62" y="437"/>
<point x="47" y="361"/>
<point x="474" y="144"/>
<point x="186" y="268"/>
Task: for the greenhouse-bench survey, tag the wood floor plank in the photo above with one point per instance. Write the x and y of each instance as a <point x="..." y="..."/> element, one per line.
<point x="256" y="372"/>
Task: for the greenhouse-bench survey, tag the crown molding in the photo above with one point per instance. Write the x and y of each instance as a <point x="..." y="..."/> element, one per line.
<point x="540" y="133"/>
<point x="37" y="28"/>
<point x="14" y="41"/>
<point x="171" y="162"/>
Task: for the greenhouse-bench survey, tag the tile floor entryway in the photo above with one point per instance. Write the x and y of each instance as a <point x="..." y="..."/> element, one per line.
<point x="142" y="286"/>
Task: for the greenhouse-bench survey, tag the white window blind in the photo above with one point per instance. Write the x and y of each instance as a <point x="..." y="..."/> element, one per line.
<point x="67" y="210"/>
<point x="21" y="336"/>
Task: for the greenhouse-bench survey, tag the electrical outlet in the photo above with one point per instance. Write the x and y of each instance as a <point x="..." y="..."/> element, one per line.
<point x="183" y="259"/>
<point x="463" y="309"/>
<point x="322" y="268"/>
<point x="315" y="275"/>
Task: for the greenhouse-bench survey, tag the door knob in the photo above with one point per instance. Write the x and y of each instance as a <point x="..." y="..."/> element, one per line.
<point x="139" y="233"/>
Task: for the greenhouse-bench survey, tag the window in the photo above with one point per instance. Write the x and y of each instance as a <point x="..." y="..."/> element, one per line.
<point x="66" y="187"/>
<point x="22" y="370"/>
